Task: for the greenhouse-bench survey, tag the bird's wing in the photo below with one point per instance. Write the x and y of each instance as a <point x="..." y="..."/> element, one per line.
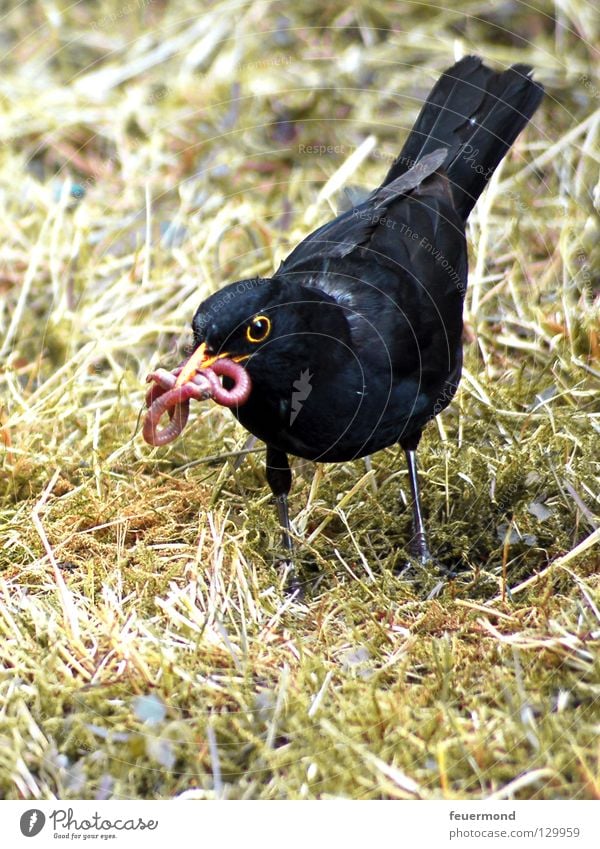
<point x="340" y="237"/>
<point x="400" y="281"/>
<point x="410" y="180"/>
<point x="396" y="265"/>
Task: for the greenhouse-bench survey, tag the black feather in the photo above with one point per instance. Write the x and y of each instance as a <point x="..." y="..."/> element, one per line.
<point x="475" y="113"/>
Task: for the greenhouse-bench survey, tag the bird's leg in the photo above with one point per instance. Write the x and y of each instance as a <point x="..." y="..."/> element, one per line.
<point x="418" y="544"/>
<point x="279" y="478"/>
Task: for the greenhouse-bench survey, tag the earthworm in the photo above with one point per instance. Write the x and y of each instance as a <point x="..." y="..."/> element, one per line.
<point x="164" y="397"/>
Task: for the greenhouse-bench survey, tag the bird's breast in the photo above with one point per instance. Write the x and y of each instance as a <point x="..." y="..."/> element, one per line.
<point x="333" y="417"/>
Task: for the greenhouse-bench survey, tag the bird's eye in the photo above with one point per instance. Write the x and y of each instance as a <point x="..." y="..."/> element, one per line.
<point x="258" y="329"/>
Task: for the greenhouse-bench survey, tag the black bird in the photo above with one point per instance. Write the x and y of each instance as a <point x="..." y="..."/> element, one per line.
<point x="355" y="343"/>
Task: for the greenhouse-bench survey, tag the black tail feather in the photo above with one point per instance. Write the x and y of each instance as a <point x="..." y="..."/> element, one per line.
<point x="475" y="113"/>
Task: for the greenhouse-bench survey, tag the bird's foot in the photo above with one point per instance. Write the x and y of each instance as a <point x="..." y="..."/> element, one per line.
<point x="292" y="585"/>
<point x="422" y="561"/>
<point x="420" y="553"/>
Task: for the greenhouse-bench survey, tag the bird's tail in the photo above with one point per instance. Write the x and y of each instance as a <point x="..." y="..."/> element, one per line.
<point x="475" y="113"/>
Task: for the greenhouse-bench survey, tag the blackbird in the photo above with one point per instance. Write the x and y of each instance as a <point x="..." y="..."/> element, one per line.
<point x="355" y="343"/>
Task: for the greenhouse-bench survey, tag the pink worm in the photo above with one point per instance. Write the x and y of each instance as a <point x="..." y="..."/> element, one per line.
<point x="164" y="397"/>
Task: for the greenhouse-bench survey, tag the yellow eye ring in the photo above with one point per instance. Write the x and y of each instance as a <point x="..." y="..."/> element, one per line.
<point x="258" y="329"/>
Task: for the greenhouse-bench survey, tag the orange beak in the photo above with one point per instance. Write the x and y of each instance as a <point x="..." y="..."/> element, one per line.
<point x="197" y="361"/>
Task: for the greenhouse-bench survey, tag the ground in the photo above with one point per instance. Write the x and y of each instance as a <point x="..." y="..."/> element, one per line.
<point x="151" y="153"/>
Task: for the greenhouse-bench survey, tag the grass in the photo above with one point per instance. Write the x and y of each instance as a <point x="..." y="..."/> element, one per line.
<point x="152" y="152"/>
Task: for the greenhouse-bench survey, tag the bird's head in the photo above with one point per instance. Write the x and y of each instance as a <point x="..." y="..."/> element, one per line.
<point x="271" y="326"/>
